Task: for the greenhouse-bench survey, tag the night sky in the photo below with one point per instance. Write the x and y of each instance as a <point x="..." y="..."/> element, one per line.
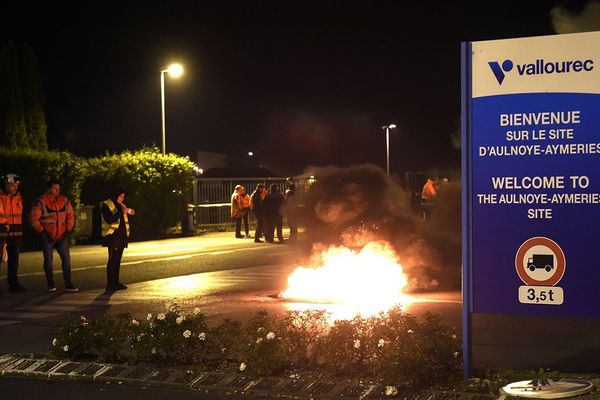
<point x="298" y="83"/>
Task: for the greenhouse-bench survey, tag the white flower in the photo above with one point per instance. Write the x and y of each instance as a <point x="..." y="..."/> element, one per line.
<point x="381" y="343"/>
<point x="391" y="391"/>
<point x="134" y="322"/>
<point x="179" y="320"/>
<point x="456" y="353"/>
<point x="66" y="348"/>
<point x="224" y="349"/>
<point x="259" y="330"/>
<point x="196" y="311"/>
<point x="357" y="344"/>
<point x="242" y="366"/>
<point x="202" y="336"/>
<point x="410" y="331"/>
<point x="153" y="350"/>
<point x="270" y="336"/>
<point x="54" y="342"/>
<point x="259" y="340"/>
<point x="83" y="318"/>
<point x="187" y="333"/>
<point x="454" y="337"/>
<point x="168" y="306"/>
<point x="149" y="317"/>
<point x="295" y="376"/>
<point x="161" y="316"/>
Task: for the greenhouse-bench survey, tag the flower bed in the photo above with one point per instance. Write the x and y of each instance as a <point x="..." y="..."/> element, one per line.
<point x="393" y="348"/>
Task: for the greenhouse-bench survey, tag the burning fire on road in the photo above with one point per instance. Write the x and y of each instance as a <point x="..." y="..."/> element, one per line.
<point x="348" y="281"/>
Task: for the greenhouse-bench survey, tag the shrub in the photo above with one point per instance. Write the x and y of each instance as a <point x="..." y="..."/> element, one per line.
<point x="157" y="186"/>
<point x="393" y="348"/>
<point x="36" y="168"/>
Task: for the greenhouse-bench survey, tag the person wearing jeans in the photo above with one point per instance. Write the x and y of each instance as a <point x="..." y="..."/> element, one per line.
<point x="53" y="218"/>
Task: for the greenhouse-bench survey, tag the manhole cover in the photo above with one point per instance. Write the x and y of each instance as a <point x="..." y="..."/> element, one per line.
<point x="547" y="389"/>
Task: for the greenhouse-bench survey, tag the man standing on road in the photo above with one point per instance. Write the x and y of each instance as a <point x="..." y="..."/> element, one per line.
<point x="256" y="204"/>
<point x="236" y="210"/>
<point x="53" y="218"/>
<point x="273" y="218"/>
<point x="291" y="217"/>
<point x="11" y="228"/>
<point x="115" y="234"/>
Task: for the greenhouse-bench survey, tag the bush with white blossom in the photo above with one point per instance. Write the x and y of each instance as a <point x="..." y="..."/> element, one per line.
<point x="393" y="348"/>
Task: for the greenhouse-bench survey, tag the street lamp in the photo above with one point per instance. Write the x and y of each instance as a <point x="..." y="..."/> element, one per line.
<point x="175" y="70"/>
<point x="387" y="143"/>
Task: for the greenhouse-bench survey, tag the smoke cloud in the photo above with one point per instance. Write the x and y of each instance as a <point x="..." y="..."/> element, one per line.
<point x="360" y="204"/>
<point x="585" y="20"/>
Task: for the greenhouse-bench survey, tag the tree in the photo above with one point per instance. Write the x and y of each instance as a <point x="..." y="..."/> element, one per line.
<point x="22" y="119"/>
<point x="33" y="99"/>
<point x="12" y="117"/>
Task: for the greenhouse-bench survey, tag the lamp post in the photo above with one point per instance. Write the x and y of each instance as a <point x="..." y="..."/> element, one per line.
<point x="387" y="144"/>
<point x="175" y="70"/>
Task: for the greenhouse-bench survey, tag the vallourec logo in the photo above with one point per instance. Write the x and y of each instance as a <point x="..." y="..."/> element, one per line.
<point x="540" y="67"/>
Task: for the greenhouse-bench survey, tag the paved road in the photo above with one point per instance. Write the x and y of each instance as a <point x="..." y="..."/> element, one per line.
<point x="224" y="276"/>
<point x="17" y="388"/>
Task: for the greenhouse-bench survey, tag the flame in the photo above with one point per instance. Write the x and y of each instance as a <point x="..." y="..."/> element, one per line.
<point x="366" y="281"/>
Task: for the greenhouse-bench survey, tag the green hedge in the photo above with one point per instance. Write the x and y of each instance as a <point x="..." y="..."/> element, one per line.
<point x="35" y="169"/>
<point x="157" y="186"/>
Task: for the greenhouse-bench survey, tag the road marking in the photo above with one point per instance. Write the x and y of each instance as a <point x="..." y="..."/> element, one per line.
<point x="6" y="323"/>
<point x="151" y="260"/>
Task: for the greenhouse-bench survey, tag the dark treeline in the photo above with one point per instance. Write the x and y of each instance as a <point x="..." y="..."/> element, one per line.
<point x="22" y="117"/>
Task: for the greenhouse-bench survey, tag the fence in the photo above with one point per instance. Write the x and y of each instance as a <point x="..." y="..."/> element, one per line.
<point x="212" y="197"/>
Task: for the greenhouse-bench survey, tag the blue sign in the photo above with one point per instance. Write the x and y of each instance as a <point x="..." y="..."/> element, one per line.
<point x="531" y="176"/>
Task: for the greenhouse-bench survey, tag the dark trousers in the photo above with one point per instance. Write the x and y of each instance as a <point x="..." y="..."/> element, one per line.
<point x="272" y="223"/>
<point x="238" y="226"/>
<point x="293" y="227"/>
<point x="260" y="225"/>
<point x="113" y="267"/>
<point x="62" y="247"/>
<point x="245" y="218"/>
<point x="13" y="265"/>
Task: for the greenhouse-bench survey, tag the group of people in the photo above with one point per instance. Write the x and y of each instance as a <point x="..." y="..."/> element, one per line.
<point x="267" y="207"/>
<point x="53" y="219"/>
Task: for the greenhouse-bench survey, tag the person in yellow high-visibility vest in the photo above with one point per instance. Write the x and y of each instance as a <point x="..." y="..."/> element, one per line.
<point x="115" y="235"/>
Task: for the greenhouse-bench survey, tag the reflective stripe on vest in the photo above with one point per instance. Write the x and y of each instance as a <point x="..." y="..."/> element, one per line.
<point x="109" y="229"/>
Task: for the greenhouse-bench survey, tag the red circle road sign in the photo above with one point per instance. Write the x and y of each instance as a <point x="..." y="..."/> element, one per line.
<point x="553" y="273"/>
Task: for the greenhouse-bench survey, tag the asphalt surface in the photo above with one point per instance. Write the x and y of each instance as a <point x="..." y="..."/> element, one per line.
<point x="225" y="277"/>
<point x="24" y="388"/>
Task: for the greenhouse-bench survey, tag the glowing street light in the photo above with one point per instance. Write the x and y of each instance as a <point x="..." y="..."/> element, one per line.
<point x="175" y="70"/>
<point x="387" y="143"/>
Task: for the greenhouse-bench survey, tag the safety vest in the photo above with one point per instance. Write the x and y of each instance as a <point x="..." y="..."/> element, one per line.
<point x="109" y="229"/>
<point x="52" y="214"/>
<point x="11" y="211"/>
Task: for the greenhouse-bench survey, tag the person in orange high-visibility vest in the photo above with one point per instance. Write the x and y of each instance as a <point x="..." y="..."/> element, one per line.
<point x="236" y="210"/>
<point x="53" y="218"/>
<point x="245" y="202"/>
<point x="11" y="228"/>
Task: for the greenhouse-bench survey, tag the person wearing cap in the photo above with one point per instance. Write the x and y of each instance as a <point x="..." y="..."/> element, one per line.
<point x="53" y="219"/>
<point x="115" y="235"/>
<point x="11" y="228"/>
<point x="237" y="210"/>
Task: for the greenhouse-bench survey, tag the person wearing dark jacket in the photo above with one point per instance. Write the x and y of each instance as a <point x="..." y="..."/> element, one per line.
<point x="115" y="234"/>
<point x="256" y="204"/>
<point x="273" y="204"/>
<point x="291" y="220"/>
